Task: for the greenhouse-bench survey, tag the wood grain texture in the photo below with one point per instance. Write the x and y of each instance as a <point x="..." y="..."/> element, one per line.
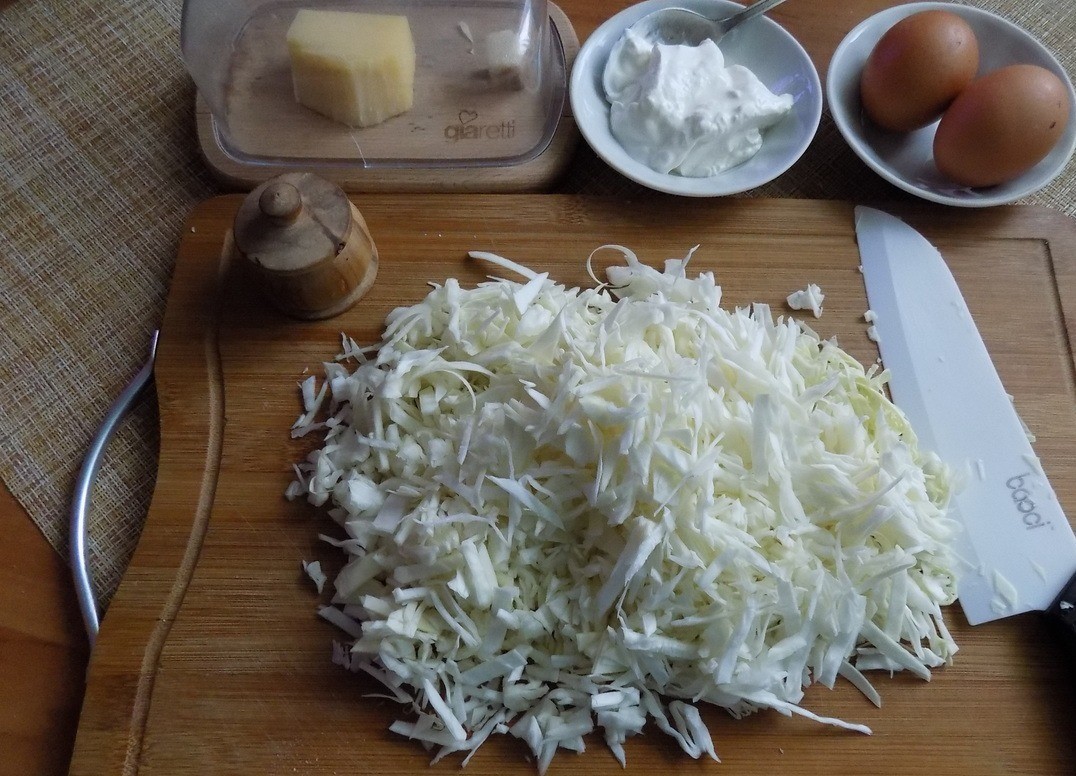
<point x="211" y="659"/>
<point x="43" y="650"/>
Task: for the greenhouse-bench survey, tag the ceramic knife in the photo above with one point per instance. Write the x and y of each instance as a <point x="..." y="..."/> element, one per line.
<point x="1018" y="548"/>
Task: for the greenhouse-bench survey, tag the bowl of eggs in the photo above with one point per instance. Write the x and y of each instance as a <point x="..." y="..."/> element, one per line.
<point x="953" y="104"/>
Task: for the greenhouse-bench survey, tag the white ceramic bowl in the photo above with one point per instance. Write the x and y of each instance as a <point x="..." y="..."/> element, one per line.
<point x="907" y="160"/>
<point x="762" y="45"/>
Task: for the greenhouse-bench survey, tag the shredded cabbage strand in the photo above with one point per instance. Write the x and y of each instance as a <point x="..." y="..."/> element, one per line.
<point x="575" y="510"/>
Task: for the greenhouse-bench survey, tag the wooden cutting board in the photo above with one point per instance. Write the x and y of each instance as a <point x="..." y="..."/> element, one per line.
<point x="211" y="659"/>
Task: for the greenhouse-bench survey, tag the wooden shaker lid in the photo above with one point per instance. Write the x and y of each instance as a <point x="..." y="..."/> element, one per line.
<point x="309" y="245"/>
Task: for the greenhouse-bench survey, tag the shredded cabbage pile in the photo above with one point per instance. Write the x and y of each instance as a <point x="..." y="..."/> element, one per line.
<point x="577" y="510"/>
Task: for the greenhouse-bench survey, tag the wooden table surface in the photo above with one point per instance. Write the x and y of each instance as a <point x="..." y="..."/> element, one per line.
<point x="43" y="650"/>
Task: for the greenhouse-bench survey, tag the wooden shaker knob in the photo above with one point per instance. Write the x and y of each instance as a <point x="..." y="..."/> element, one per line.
<point x="309" y="245"/>
<point x="281" y="201"/>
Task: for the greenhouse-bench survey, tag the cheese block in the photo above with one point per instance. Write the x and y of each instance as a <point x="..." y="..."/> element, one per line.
<point x="503" y="52"/>
<point x="356" y="68"/>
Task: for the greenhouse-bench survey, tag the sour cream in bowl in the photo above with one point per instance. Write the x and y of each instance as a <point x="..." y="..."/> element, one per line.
<point x="697" y="121"/>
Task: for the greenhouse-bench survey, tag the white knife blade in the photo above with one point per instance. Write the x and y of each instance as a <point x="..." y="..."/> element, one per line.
<point x="1019" y="544"/>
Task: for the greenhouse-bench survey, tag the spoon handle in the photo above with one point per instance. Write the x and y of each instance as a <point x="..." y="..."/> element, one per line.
<point x="750" y="12"/>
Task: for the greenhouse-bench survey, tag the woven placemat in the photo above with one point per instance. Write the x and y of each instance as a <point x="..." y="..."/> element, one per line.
<point x="99" y="168"/>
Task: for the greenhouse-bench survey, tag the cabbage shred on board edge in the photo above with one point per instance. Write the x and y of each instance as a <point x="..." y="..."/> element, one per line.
<point x="571" y="511"/>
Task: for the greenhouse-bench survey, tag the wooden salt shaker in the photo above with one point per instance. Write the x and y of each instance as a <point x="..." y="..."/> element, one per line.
<point x="309" y="244"/>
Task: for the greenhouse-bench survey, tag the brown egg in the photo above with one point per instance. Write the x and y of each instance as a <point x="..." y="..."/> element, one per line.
<point x="1002" y="125"/>
<point x="917" y="68"/>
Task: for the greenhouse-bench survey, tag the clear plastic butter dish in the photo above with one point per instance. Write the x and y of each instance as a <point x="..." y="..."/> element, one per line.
<point x="414" y="95"/>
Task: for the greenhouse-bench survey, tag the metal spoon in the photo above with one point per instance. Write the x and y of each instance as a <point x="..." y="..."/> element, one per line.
<point x="679" y="26"/>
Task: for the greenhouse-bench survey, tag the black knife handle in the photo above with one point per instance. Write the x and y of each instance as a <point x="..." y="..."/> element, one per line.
<point x="1062" y="614"/>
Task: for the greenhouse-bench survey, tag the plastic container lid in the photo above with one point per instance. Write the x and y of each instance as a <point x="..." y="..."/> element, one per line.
<point x="465" y="113"/>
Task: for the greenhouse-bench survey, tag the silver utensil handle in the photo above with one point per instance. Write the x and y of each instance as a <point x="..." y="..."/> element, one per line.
<point x="750" y="12"/>
<point x="80" y="505"/>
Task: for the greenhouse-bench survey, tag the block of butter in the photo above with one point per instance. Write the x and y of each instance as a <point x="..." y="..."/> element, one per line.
<point x="356" y="68"/>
